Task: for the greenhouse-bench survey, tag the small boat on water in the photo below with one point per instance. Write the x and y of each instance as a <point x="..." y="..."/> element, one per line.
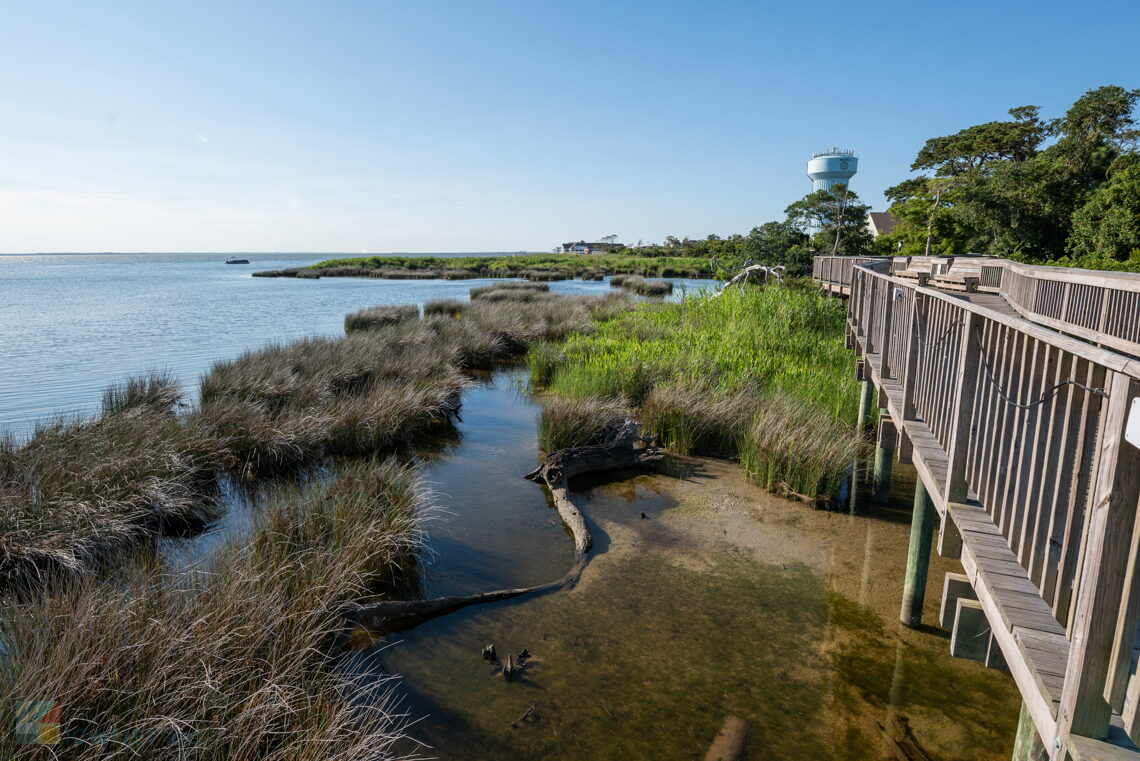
<point x="237" y="261"/>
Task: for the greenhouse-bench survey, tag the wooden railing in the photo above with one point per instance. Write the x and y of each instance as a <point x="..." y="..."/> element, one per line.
<point x="1017" y="432"/>
<point x="835" y="272"/>
<point x="1101" y="307"/>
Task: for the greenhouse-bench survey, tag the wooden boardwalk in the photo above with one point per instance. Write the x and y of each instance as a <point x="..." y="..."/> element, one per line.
<point x="1010" y="388"/>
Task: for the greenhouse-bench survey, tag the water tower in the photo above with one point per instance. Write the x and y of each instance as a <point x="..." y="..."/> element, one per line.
<point x="832" y="167"/>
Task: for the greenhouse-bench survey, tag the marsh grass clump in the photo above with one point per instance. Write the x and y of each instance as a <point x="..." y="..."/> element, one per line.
<point x="800" y="446"/>
<point x="281" y="408"/>
<point x="638" y="284"/>
<point x="285" y="406"/>
<point x="655" y="288"/>
<point x="159" y="391"/>
<point x="379" y="317"/>
<point x="445" y="307"/>
<point x="546" y="275"/>
<point x="693" y="420"/>
<point x="565" y="422"/>
<point x="508" y="286"/>
<point x="80" y="493"/>
<point x="235" y="661"/>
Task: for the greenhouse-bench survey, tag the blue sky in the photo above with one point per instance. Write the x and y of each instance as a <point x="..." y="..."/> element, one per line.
<point x="482" y="126"/>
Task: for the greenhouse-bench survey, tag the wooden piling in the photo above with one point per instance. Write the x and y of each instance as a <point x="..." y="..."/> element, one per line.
<point x="1027" y="745"/>
<point x="884" y="457"/>
<point x="918" y="556"/>
<point x="866" y="397"/>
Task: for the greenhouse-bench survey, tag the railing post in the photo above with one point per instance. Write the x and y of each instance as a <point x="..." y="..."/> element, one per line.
<point x="1111" y="514"/>
<point x="962" y="416"/>
<point x="885" y="349"/>
<point x="871" y="284"/>
<point x="855" y="301"/>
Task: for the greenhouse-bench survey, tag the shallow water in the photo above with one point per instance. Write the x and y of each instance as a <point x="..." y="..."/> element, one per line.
<point x="722" y="600"/>
<point x="74" y="324"/>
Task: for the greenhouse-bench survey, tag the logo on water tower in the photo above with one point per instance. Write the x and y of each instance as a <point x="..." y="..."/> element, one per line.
<point x="843" y="165"/>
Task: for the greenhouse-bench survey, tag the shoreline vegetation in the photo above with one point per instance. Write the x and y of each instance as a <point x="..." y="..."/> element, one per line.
<point x="243" y="657"/>
<point x="758" y="374"/>
<point x="537" y="267"/>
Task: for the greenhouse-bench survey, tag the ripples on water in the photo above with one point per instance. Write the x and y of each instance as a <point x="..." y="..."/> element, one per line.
<point x="70" y="325"/>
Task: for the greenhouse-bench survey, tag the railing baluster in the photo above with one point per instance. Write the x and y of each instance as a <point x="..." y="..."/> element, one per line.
<point x="963" y="410"/>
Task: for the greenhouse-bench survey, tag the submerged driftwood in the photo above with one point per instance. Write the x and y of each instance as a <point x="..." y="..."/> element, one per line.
<point x="623" y="447"/>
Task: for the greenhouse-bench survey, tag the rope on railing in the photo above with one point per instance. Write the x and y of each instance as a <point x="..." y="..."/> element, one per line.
<point x="1046" y="395"/>
<point x="945" y="334"/>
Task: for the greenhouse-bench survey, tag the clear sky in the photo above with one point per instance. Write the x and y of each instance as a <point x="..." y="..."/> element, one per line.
<point x="493" y="126"/>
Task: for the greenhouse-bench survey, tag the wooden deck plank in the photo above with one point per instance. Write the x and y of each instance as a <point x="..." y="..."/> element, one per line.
<point x="1088" y="749"/>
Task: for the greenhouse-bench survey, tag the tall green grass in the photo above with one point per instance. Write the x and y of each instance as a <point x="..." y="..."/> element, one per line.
<point x="703" y="370"/>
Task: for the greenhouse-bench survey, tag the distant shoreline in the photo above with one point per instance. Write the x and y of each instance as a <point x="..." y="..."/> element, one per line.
<point x="325" y="254"/>
<point x="529" y="266"/>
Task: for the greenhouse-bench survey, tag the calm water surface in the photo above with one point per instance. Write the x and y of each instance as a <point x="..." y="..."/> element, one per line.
<point x="72" y="324"/>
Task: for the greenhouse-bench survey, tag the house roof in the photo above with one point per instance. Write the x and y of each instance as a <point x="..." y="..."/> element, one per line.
<point x="881" y="222"/>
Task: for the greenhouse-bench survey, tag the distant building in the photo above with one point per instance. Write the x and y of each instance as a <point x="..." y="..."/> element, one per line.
<point x="582" y="247"/>
<point x="880" y="223"/>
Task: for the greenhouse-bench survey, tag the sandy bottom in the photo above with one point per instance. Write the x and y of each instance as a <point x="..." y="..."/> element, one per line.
<point x="723" y="600"/>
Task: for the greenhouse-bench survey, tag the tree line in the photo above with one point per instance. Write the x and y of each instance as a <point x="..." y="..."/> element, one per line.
<point x="1062" y="191"/>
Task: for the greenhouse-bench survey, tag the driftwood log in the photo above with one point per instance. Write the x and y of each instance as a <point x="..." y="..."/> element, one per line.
<point x="760" y="271"/>
<point x="623" y="447"/>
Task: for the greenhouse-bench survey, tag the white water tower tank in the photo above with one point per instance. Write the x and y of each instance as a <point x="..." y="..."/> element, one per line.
<point x="832" y="167"/>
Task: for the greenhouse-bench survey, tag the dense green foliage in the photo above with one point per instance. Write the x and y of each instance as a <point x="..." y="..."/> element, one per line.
<point x="701" y="370"/>
<point x="1061" y="191"/>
